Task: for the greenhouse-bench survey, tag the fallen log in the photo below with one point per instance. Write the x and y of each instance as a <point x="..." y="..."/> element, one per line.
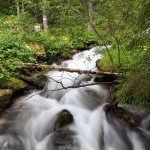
<point x="41" y="67"/>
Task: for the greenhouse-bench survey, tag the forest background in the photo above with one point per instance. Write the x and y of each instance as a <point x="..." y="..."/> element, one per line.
<point x="59" y="27"/>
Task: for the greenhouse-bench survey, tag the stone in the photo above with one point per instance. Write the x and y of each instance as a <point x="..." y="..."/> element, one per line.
<point x="99" y="64"/>
<point x="63" y="118"/>
<point x="5" y="97"/>
<point x="64" y="139"/>
<point x="39" y="80"/>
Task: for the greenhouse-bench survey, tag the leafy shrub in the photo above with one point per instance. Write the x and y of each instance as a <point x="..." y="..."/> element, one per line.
<point x="55" y="47"/>
<point x="135" y="88"/>
<point x="79" y="37"/>
<point x="126" y="59"/>
<point x="16" y="52"/>
<point x="7" y="70"/>
<point x="9" y="56"/>
<point x="13" y="32"/>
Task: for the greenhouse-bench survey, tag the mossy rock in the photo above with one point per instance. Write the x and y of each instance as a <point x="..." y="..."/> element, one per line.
<point x="5" y="97"/>
<point x="39" y="80"/>
<point x="99" y="64"/>
<point x="63" y="118"/>
<point x="14" y="84"/>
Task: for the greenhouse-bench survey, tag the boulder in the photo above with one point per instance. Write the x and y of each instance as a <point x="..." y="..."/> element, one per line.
<point x="14" y="84"/>
<point x="37" y="81"/>
<point x="63" y="118"/>
<point x="99" y="64"/>
<point x="40" y="80"/>
<point x="64" y="139"/>
<point x="5" y="97"/>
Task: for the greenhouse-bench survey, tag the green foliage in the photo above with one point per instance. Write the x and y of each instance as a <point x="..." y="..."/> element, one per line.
<point x="16" y="52"/>
<point x="123" y="24"/>
<point x="35" y="37"/>
<point x="10" y="56"/>
<point x="12" y="46"/>
<point x="80" y="38"/>
<point x="55" y="46"/>
<point x="125" y="62"/>
<point x="7" y="70"/>
<point x="144" y="16"/>
<point x="135" y="87"/>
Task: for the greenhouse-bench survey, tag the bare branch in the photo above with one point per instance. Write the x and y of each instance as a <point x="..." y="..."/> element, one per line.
<point x="95" y="30"/>
<point x="71" y="87"/>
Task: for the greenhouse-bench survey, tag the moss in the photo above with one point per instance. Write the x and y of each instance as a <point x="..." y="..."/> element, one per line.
<point x="63" y="118"/>
<point x="5" y="97"/>
<point x="14" y="84"/>
<point x="99" y="64"/>
<point x="36" y="47"/>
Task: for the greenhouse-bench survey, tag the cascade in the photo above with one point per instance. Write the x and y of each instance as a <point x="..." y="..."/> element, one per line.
<point x="70" y="119"/>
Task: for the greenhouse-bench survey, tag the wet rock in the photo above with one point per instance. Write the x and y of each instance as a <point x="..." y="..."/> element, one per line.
<point x="63" y="118"/>
<point x="5" y="97"/>
<point x="40" y="80"/>
<point x="37" y="81"/>
<point x="120" y="113"/>
<point x="99" y="64"/>
<point x="64" y="139"/>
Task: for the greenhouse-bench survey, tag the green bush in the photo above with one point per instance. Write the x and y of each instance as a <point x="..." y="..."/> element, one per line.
<point x="126" y="59"/>
<point x="135" y="88"/>
<point x="80" y="37"/>
<point x="16" y="52"/>
<point x="12" y="53"/>
<point x="55" y="47"/>
<point x="13" y="32"/>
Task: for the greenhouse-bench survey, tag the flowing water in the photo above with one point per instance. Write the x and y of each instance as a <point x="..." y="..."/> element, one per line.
<point x="29" y="123"/>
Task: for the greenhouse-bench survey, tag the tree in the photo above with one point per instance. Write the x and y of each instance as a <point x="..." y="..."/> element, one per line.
<point x="90" y="15"/>
<point x="45" y="21"/>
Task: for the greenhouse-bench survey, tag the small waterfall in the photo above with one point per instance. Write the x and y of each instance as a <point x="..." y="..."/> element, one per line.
<point x="30" y="123"/>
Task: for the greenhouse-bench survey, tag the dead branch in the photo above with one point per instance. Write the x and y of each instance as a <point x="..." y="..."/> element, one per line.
<point x="71" y="87"/>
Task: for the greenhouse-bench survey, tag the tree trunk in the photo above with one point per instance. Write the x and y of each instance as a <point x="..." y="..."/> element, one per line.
<point x="41" y="67"/>
<point x="45" y="21"/>
<point x="18" y="9"/>
<point x="90" y="15"/>
<point x="22" y="3"/>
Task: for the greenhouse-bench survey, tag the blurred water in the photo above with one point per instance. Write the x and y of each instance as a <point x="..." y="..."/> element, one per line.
<point x="29" y="124"/>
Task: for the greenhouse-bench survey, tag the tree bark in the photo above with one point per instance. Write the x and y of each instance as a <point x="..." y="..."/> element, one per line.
<point x="22" y="3"/>
<point x="18" y="9"/>
<point x="45" y="21"/>
<point x="40" y="67"/>
<point x="90" y="15"/>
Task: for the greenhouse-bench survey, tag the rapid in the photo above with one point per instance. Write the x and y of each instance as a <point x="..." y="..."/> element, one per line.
<point x="30" y="123"/>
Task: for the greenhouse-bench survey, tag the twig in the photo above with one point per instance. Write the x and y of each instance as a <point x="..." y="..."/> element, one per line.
<point x="69" y="87"/>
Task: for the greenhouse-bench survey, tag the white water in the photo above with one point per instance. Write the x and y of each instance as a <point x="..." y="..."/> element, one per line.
<point x="32" y="128"/>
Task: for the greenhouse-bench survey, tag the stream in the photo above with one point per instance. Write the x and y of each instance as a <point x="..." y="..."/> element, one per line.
<point x="30" y="124"/>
